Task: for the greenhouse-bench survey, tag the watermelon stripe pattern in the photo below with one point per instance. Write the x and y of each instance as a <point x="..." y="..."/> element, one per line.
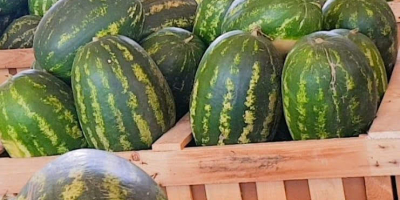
<point x="38" y="117"/>
<point x="40" y="7"/>
<point x="168" y="13"/>
<point x="73" y="23"/>
<point x="91" y="174"/>
<point x="373" y="18"/>
<point x="209" y="17"/>
<point x="177" y="53"/>
<point x="236" y="95"/>
<point x="123" y="101"/>
<point x="20" y="33"/>
<point x="328" y="88"/>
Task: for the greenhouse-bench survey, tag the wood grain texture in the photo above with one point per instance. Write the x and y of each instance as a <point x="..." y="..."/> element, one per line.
<point x="379" y="188"/>
<point x="386" y="124"/>
<point x="297" y="190"/>
<point x="223" y="192"/>
<point x="326" y="189"/>
<point x="179" y="193"/>
<point x="398" y="185"/>
<point x="333" y="158"/>
<point x="271" y="190"/>
<point x="179" y="136"/>
<point x="4" y="75"/>
<point x="16" y="58"/>
<point x="354" y="188"/>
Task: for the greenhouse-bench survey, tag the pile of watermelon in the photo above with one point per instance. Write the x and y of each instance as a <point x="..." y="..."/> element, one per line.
<point x="117" y="75"/>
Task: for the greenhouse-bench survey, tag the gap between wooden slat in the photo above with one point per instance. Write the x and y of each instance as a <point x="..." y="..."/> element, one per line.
<point x="223" y="192"/>
<point x="297" y="190"/>
<point x="379" y="188"/>
<point x="326" y="189"/>
<point x="354" y="188"/>
<point x="248" y="191"/>
<point x="179" y="193"/>
<point x="271" y="190"/>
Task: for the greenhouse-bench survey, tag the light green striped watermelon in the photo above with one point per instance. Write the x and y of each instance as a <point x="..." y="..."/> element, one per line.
<point x="122" y="98"/>
<point x="177" y="53"/>
<point x="236" y="96"/>
<point x="71" y="24"/>
<point x="372" y="53"/>
<point x="329" y="89"/>
<point x="373" y="18"/>
<point x="282" y="21"/>
<point x="209" y="17"/>
<point x="91" y="175"/>
<point x="38" y="116"/>
<point x="20" y="33"/>
<point x="40" y="7"/>
<point x="168" y="13"/>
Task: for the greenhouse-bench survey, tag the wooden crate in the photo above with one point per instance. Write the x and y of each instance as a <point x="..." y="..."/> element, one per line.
<point x="364" y="168"/>
<point x="14" y="61"/>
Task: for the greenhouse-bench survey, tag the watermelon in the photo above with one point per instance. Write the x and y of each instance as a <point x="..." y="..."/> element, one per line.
<point x="168" y="13"/>
<point x="40" y="7"/>
<point x="20" y="33"/>
<point x="91" y="174"/>
<point x="372" y="54"/>
<point x="209" y="17"/>
<point x="73" y="23"/>
<point x="11" y="6"/>
<point x="284" y="22"/>
<point x="6" y="20"/>
<point x="177" y="53"/>
<point x="236" y="95"/>
<point x="35" y="65"/>
<point x="329" y="89"/>
<point x="123" y="101"/>
<point x="373" y="18"/>
<point x="38" y="116"/>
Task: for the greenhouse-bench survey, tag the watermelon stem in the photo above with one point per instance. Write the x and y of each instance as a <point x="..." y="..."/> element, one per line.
<point x="257" y="31"/>
<point x="187" y="40"/>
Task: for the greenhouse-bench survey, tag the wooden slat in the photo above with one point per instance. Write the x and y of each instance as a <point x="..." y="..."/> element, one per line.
<point x="326" y="189"/>
<point x="4" y="75"/>
<point x="386" y="124"/>
<point x="271" y="190"/>
<point x="223" y="192"/>
<point x="179" y="193"/>
<point x="354" y="188"/>
<point x="297" y="190"/>
<point x="178" y="138"/>
<point x="21" y="69"/>
<point x="379" y="188"/>
<point x="333" y="158"/>
<point x="16" y="58"/>
<point x="395" y="5"/>
<point x="398" y="185"/>
<point x="249" y="191"/>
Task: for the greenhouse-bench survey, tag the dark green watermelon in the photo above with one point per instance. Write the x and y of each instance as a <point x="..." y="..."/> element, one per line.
<point x="372" y="54"/>
<point x="209" y="17"/>
<point x="12" y="6"/>
<point x="236" y="96"/>
<point x="38" y="116"/>
<point x="282" y="21"/>
<point x="73" y="23"/>
<point x="20" y="33"/>
<point x="177" y="53"/>
<point x="40" y="7"/>
<point x="329" y="89"/>
<point x="168" y="13"/>
<point x="123" y="100"/>
<point x="35" y="65"/>
<point x="6" y="20"/>
<point x="373" y="18"/>
<point x="91" y="174"/>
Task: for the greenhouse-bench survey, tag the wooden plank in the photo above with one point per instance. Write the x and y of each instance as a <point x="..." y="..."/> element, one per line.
<point x="395" y="5"/>
<point x="4" y="75"/>
<point x="180" y="135"/>
<point x="297" y="190"/>
<point x="223" y="192"/>
<point x="379" y="188"/>
<point x="385" y="124"/>
<point x="398" y="186"/>
<point x="332" y="158"/>
<point x="271" y="190"/>
<point x="248" y="191"/>
<point x="179" y="193"/>
<point x="21" y="69"/>
<point x="199" y="192"/>
<point x="16" y="58"/>
<point x="326" y="189"/>
<point x="354" y="188"/>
